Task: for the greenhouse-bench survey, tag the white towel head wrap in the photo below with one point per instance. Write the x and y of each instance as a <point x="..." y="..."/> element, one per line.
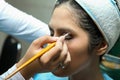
<point x="106" y="16"/>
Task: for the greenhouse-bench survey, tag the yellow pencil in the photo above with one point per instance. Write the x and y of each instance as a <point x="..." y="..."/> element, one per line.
<point x="32" y="59"/>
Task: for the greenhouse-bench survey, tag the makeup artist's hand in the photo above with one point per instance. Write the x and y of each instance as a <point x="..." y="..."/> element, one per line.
<point x="48" y="61"/>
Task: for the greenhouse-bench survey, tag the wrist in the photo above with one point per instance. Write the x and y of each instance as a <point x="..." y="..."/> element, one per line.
<point x="29" y="70"/>
<point x="26" y="71"/>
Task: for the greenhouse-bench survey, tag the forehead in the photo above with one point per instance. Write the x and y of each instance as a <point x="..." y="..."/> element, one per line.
<point x="62" y="17"/>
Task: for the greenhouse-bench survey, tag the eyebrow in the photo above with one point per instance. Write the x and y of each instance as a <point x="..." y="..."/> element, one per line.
<point x="62" y="29"/>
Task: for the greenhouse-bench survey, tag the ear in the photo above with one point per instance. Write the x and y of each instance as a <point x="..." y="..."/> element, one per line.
<point x="102" y="48"/>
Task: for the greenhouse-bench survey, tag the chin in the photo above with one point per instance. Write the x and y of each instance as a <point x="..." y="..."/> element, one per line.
<point x="61" y="73"/>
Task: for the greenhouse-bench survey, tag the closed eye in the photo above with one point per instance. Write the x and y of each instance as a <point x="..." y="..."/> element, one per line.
<point x="62" y="31"/>
<point x="69" y="37"/>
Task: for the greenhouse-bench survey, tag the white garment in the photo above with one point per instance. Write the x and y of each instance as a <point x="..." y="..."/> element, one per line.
<point x="20" y="24"/>
<point x="17" y="76"/>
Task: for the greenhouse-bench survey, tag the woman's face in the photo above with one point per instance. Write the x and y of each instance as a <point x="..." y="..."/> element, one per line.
<point x="63" y="21"/>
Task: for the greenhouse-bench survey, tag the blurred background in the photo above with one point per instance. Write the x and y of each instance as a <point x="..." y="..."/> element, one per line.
<point x="41" y="9"/>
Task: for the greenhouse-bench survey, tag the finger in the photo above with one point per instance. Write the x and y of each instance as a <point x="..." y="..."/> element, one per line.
<point x="47" y="58"/>
<point x="67" y="61"/>
<point x="44" y="40"/>
<point x="59" y="47"/>
<point x="62" y="56"/>
<point x="52" y="53"/>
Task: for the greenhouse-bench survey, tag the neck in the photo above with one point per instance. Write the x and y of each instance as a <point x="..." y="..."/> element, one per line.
<point x="91" y="75"/>
<point x="92" y="72"/>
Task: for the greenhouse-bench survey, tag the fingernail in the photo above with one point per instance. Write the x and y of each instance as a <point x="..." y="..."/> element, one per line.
<point x="55" y="38"/>
<point x="63" y="37"/>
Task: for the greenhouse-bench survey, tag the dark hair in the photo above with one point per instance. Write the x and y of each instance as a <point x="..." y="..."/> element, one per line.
<point x="85" y="22"/>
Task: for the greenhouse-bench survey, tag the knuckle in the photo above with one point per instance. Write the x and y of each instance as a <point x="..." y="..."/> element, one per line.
<point x="45" y="62"/>
<point x="59" y="49"/>
<point x="34" y="42"/>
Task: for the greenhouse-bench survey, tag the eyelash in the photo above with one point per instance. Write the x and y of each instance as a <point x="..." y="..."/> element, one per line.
<point x="68" y="37"/>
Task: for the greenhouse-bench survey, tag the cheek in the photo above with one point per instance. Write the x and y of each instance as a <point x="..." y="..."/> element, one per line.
<point x="79" y="53"/>
<point x="78" y="48"/>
